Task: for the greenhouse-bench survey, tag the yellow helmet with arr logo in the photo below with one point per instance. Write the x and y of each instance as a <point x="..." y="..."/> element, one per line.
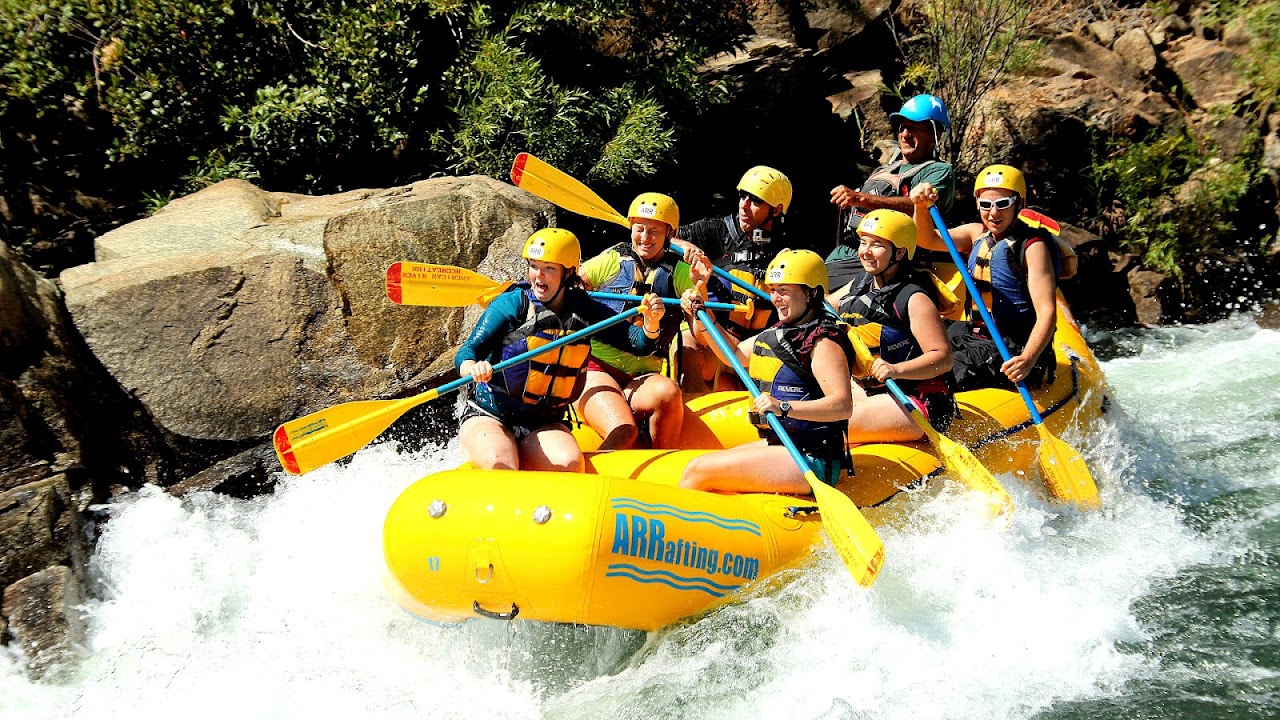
<point x="898" y="228"/>
<point x="1001" y="177"/>
<point x="655" y="206"/>
<point x="769" y="185"/>
<point x="554" y="245"/>
<point x="797" y="267"/>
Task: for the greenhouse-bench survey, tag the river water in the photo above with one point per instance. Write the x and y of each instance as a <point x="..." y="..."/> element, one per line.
<point x="1164" y="605"/>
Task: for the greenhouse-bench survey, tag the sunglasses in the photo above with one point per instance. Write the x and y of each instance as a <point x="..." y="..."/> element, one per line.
<point x="1003" y="203"/>
<point x="744" y="195"/>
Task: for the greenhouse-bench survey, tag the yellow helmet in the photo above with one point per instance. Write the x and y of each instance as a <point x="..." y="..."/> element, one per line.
<point x="554" y="245"/>
<point x="797" y="267"/>
<point x="769" y="185"/>
<point x="655" y="206"/>
<point x="1003" y="177"/>
<point x="898" y="228"/>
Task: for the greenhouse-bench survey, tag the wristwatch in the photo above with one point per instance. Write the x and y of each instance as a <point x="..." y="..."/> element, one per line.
<point x="785" y="407"/>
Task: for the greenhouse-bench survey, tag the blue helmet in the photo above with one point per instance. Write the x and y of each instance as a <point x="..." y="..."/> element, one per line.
<point x="922" y="108"/>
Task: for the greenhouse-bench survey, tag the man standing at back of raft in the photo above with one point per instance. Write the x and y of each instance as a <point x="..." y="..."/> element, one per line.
<point x="743" y="245"/>
<point x="918" y="127"/>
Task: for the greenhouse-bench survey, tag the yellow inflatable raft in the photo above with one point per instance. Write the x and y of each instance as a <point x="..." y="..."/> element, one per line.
<point x="621" y="546"/>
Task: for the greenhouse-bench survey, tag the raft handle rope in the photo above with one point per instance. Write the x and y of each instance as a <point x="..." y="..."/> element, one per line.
<point x="495" y="614"/>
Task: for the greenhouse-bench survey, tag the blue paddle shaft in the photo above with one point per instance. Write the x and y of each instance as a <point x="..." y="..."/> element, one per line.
<point x="898" y="395"/>
<point x="730" y="277"/>
<point x="732" y="356"/>
<point x="524" y="357"/>
<point x="665" y="301"/>
<point x="963" y="267"/>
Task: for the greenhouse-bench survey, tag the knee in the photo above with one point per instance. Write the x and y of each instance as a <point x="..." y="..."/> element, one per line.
<point x="695" y="475"/>
<point x="621" y="436"/>
<point x="567" y="462"/>
<point x="668" y="393"/>
<point x="494" y="461"/>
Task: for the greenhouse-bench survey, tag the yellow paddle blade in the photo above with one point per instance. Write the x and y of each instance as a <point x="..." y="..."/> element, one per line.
<point x="411" y="283"/>
<point x="963" y="465"/>
<point x="320" y="438"/>
<point x="857" y="543"/>
<point x="558" y="188"/>
<point x="1064" y="473"/>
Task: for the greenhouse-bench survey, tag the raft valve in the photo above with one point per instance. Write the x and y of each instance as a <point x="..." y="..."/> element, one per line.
<point x="437" y="509"/>
<point x="542" y="514"/>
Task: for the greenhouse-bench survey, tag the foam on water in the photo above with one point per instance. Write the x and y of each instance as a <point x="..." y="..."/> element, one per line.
<point x="275" y="607"/>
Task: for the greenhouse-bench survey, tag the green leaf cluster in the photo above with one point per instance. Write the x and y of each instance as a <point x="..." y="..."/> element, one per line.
<point x="318" y="96"/>
<point x="1178" y="198"/>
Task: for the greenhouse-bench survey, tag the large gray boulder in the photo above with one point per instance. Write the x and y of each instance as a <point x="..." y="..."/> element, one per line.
<point x="234" y="309"/>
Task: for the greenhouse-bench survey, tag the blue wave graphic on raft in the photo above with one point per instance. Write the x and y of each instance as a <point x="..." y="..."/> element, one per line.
<point x="697" y="516"/>
<point x="666" y="577"/>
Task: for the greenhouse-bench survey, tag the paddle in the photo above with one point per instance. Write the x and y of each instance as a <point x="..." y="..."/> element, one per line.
<point x="1063" y="471"/>
<point x="320" y="438"/>
<point x="410" y="283"/>
<point x="852" y="536"/>
<point x="558" y="188"/>
<point x="957" y="459"/>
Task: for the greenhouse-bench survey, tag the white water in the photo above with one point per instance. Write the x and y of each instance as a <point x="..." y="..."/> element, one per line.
<point x="274" y="608"/>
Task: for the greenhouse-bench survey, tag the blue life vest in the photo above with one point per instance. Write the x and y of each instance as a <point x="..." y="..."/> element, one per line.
<point x="880" y="318"/>
<point x="777" y="369"/>
<point x="999" y="272"/>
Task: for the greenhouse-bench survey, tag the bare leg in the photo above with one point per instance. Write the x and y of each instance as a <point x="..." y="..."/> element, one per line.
<point x="879" y="418"/>
<point x="604" y="408"/>
<point x="747" y="468"/>
<point x="488" y="445"/>
<point x="694" y="375"/>
<point x="659" y="398"/>
<point x="551" y="447"/>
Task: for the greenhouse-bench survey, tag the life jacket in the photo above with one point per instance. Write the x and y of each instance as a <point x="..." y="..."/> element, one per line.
<point x="775" y="368"/>
<point x="889" y="180"/>
<point x="550" y="381"/>
<point x="746" y="260"/>
<point x="880" y="318"/>
<point x="999" y="270"/>
<point x="632" y="280"/>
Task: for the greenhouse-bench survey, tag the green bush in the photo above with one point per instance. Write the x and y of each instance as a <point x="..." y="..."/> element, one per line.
<point x="317" y="97"/>
<point x="1178" y="199"/>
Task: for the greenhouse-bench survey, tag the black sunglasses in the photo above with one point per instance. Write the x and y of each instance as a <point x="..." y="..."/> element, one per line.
<point x="744" y="195"/>
<point x="1003" y="203"/>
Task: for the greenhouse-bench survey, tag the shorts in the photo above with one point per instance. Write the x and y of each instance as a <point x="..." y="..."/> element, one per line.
<point x="977" y="361"/>
<point x="939" y="408"/>
<point x="622" y="378"/>
<point x="828" y="470"/>
<point x="828" y="459"/>
<point x="526" y="425"/>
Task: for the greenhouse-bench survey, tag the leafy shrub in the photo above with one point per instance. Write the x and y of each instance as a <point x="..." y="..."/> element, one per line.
<point x="167" y="95"/>
<point x="1178" y="199"/>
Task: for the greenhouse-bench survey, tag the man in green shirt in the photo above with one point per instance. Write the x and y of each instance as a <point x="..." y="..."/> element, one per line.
<point x="918" y="125"/>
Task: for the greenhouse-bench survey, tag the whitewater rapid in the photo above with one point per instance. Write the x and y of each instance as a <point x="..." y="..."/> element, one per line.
<point x="213" y="607"/>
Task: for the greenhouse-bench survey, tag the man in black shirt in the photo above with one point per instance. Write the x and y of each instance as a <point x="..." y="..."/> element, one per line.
<point x="742" y="244"/>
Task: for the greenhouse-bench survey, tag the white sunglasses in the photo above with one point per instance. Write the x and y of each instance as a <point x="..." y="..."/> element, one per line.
<point x="1003" y="203"/>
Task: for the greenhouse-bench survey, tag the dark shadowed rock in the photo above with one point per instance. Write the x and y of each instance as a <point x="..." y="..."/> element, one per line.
<point x="1155" y="296"/>
<point x="833" y="23"/>
<point x="39" y="526"/>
